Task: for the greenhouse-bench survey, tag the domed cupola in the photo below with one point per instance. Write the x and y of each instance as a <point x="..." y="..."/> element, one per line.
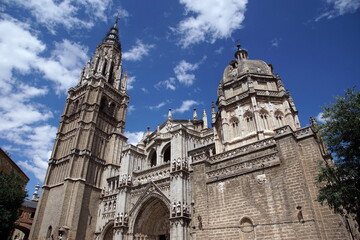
<point x="241" y="53"/>
<point x="252" y="102"/>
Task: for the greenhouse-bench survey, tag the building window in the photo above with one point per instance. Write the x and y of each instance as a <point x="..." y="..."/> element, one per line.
<point x="111" y="74"/>
<point x="153" y="158"/>
<point x="104" y="68"/>
<point x="264" y="119"/>
<point x="112" y="109"/>
<point x="167" y="151"/>
<point x="249" y="121"/>
<point x="279" y="119"/>
<point x="103" y="104"/>
<point x="75" y="106"/>
<point x="48" y="234"/>
<point x="234" y="122"/>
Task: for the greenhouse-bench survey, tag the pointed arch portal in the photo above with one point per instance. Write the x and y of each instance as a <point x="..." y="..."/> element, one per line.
<point x="152" y="221"/>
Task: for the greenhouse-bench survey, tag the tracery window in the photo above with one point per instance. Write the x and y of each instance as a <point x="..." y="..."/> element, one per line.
<point x="48" y="233"/>
<point x="103" y="72"/>
<point x="234" y="122"/>
<point x="279" y="117"/>
<point x="249" y="120"/>
<point x="153" y="158"/>
<point x="167" y="152"/>
<point x="103" y="104"/>
<point x="264" y="119"/>
<point x="111" y="74"/>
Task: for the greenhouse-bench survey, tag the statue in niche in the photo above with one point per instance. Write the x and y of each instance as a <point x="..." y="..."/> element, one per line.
<point x="173" y="210"/>
<point x="174" y="165"/>
<point x="121" y="218"/>
<point x="178" y="164"/>
<point x="200" y="222"/>
<point x="178" y="208"/>
<point x="185" y="163"/>
<point x="126" y="218"/>
<point x="117" y="219"/>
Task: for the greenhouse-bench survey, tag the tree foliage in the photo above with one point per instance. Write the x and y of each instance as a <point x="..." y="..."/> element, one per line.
<point x="339" y="180"/>
<point x="12" y="195"/>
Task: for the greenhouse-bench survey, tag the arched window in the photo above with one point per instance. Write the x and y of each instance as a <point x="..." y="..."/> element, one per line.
<point x="111" y="74"/>
<point x="167" y="151"/>
<point x="279" y="119"/>
<point x="234" y="122"/>
<point x="110" y="206"/>
<point x="264" y="119"/>
<point x="105" y="207"/>
<point x="97" y="64"/>
<point x="249" y="120"/>
<point x="75" y="106"/>
<point x="48" y="233"/>
<point x="103" y="72"/>
<point x="152" y="158"/>
<point x="103" y="104"/>
<point x="247" y="229"/>
<point x="111" y="109"/>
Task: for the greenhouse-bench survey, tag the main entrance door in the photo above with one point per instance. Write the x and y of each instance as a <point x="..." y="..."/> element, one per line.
<point x="152" y="222"/>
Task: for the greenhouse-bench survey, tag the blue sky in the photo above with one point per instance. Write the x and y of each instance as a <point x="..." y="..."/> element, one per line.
<point x="175" y="53"/>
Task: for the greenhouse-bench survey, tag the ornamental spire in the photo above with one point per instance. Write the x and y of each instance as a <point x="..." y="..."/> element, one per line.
<point x="113" y="34"/>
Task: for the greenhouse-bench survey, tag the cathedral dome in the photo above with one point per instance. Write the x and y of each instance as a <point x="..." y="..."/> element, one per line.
<point x="242" y="65"/>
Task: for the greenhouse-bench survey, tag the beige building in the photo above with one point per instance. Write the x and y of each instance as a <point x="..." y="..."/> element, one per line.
<point x="250" y="176"/>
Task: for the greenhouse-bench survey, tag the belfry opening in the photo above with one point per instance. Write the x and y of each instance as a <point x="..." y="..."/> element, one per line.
<point x="152" y="221"/>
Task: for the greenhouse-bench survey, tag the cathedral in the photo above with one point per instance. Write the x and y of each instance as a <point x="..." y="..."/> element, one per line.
<point x="247" y="174"/>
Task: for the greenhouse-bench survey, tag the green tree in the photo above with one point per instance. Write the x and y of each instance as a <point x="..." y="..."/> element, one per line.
<point x="339" y="180"/>
<point x="12" y="195"/>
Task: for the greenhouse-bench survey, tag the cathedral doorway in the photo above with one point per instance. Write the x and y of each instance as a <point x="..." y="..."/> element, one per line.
<point x="152" y="222"/>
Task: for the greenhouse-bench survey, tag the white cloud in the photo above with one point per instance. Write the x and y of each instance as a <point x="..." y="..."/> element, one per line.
<point x="182" y="71"/>
<point x="339" y="7"/>
<point x="19" y="46"/>
<point x="275" y="42"/>
<point x="130" y="82"/>
<point x="70" y="14"/>
<point x="134" y="137"/>
<point x="219" y="50"/>
<point x="185" y="106"/>
<point x="23" y="51"/>
<point x="137" y="52"/>
<point x="160" y="105"/>
<point x="38" y="144"/>
<point x="210" y="20"/>
<point x="130" y="109"/>
<point x="144" y="90"/>
<point x="319" y="118"/>
<point x="168" y="84"/>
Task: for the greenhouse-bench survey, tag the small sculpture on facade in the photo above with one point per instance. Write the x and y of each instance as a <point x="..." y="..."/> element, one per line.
<point x="185" y="164"/>
<point x="126" y="218"/>
<point x="129" y="180"/>
<point x="178" y="208"/>
<point x="174" y="209"/>
<point x="178" y="164"/>
<point x="121" y="218"/>
<point x="174" y="165"/>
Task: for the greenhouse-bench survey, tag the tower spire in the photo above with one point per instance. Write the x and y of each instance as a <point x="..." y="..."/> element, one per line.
<point x="113" y="34"/>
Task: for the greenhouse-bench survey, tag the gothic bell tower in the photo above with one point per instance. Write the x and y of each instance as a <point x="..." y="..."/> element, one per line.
<point x="87" y="147"/>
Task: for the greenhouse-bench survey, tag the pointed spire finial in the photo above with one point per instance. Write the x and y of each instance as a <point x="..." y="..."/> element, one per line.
<point x="195" y="116"/>
<point x="204" y="118"/>
<point x="116" y="20"/>
<point x="213" y="112"/>
<point x="169" y="114"/>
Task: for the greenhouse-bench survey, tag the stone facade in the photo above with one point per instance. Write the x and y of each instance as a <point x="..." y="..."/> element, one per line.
<point x="251" y="176"/>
